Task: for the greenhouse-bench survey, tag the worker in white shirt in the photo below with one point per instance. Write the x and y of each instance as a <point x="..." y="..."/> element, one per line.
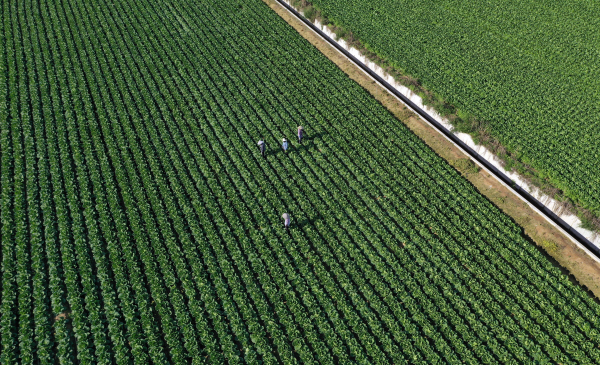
<point x="284" y="145"/>
<point x="263" y="147"/>
<point x="286" y="221"/>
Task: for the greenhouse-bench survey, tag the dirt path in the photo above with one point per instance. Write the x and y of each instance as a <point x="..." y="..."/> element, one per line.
<point x="548" y="238"/>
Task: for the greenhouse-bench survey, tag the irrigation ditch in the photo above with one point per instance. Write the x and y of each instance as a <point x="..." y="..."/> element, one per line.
<point x="485" y="160"/>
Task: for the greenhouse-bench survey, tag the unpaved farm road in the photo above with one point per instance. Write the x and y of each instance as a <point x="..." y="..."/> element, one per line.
<point x="549" y="239"/>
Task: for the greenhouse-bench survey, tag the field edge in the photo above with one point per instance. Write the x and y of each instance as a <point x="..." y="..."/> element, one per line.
<point x="465" y="123"/>
<point x="563" y="252"/>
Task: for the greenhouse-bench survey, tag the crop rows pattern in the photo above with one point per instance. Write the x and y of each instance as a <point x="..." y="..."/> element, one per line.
<point x="140" y="225"/>
<point x="528" y="68"/>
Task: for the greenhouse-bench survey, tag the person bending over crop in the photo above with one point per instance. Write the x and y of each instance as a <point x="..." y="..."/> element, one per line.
<point x="263" y="147"/>
<point x="300" y="134"/>
<point x="286" y="221"/>
<point x="284" y="145"/>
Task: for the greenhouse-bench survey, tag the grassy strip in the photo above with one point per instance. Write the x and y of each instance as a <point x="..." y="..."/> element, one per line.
<point x="461" y="121"/>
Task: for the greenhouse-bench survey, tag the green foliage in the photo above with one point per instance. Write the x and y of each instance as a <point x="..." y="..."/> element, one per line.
<point x="141" y="225"/>
<point x="310" y="13"/>
<point x="549" y="246"/>
<point x="466" y="166"/>
<point x="513" y="64"/>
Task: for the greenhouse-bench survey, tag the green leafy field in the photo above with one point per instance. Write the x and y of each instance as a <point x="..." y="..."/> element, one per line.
<point x="529" y="68"/>
<point x="140" y="225"/>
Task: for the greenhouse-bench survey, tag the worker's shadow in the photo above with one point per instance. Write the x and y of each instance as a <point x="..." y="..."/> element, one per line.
<point x="307" y="222"/>
<point x="307" y="142"/>
<point x="300" y="147"/>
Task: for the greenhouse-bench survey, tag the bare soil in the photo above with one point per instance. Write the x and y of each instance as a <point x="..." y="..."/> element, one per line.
<point x="61" y="316"/>
<point x="549" y="239"/>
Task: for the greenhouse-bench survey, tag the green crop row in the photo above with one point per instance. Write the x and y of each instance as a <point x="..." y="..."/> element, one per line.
<point x="141" y="225"/>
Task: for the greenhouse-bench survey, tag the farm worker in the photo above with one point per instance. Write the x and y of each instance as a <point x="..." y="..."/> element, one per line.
<point x="263" y="147"/>
<point x="284" y="145"/>
<point x="286" y="221"/>
<point x="300" y="134"/>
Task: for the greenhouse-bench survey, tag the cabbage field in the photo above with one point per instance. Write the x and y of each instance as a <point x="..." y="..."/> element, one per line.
<point x="529" y="69"/>
<point x="140" y="224"/>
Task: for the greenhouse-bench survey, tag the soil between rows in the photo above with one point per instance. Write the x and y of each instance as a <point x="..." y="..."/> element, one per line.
<point x="549" y="239"/>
